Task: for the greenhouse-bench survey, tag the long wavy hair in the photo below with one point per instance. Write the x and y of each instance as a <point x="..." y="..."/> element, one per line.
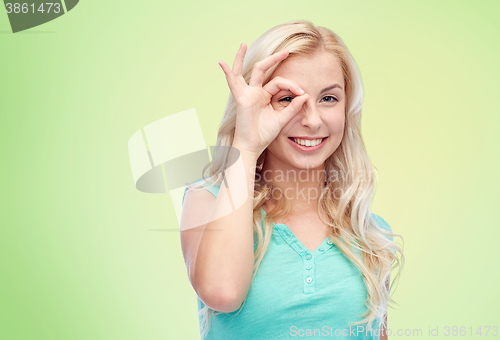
<point x="345" y="199"/>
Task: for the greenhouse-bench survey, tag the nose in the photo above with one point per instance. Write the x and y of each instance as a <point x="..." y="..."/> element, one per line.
<point x="311" y="116"/>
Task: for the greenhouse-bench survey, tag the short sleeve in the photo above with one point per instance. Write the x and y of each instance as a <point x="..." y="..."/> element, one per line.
<point x="383" y="224"/>
<point x="214" y="189"/>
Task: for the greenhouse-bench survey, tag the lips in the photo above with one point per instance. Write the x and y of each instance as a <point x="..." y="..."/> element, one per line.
<point x="304" y="148"/>
<point x="309" y="141"/>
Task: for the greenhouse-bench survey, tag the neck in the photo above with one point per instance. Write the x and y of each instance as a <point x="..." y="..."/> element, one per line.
<point x="301" y="186"/>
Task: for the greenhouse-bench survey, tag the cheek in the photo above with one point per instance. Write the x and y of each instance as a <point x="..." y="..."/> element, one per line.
<point x="335" y="122"/>
<point x="277" y="105"/>
<point x="276" y="146"/>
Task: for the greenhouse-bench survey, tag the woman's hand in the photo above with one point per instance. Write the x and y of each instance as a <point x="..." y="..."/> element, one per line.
<point x="257" y="123"/>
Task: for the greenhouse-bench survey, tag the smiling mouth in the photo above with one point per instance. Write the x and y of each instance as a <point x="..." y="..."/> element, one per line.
<point x="307" y="142"/>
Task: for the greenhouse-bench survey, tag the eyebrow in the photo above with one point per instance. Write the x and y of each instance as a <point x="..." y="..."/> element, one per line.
<point x="330" y="87"/>
<point x="322" y="91"/>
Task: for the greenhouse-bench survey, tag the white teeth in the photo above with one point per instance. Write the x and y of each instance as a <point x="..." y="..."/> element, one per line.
<point x="307" y="142"/>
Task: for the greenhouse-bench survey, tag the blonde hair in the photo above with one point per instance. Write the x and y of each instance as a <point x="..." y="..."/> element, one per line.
<point x="350" y="223"/>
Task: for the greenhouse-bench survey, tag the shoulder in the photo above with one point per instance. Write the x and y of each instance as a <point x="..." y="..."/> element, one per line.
<point x="212" y="188"/>
<point x="198" y="203"/>
<point x="382" y="224"/>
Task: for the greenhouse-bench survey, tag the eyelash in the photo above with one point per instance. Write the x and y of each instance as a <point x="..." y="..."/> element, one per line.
<point x="334" y="99"/>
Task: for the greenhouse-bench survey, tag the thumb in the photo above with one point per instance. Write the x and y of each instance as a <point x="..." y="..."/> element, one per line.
<point x="291" y="110"/>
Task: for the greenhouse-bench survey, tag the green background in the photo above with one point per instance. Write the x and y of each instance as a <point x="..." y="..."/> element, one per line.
<point x="81" y="251"/>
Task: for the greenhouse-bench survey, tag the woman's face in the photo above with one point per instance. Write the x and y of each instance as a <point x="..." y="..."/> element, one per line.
<point x="321" y="118"/>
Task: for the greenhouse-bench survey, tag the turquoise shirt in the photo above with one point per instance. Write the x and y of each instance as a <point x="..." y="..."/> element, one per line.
<point x="297" y="293"/>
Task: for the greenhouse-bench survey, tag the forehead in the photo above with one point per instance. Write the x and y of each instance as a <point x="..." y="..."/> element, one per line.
<point x="311" y="71"/>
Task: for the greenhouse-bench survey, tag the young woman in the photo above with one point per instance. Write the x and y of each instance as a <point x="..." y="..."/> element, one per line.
<point x="278" y="239"/>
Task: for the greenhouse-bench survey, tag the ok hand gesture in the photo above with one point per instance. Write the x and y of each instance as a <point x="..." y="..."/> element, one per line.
<point x="257" y="122"/>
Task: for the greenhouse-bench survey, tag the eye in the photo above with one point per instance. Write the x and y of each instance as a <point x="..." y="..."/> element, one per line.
<point x="286" y="99"/>
<point x="333" y="99"/>
<point x="328" y="99"/>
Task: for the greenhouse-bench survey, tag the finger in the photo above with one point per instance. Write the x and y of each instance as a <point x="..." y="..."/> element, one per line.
<point x="231" y="80"/>
<point x="260" y="68"/>
<point x="291" y="110"/>
<point x="279" y="83"/>
<point x="227" y="71"/>
<point x="224" y="67"/>
<point x="238" y="62"/>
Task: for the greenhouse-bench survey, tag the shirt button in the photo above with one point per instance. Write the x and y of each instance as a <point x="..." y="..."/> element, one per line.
<point x="321" y="249"/>
<point x="309" y="267"/>
<point x="309" y="279"/>
<point x="308" y="256"/>
<point x="329" y="242"/>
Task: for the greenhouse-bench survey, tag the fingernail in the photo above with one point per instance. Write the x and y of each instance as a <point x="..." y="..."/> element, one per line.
<point x="301" y="91"/>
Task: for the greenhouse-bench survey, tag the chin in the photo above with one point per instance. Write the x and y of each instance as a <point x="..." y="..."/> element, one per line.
<point x="305" y="164"/>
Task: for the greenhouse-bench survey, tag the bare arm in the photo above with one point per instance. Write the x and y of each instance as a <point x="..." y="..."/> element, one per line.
<point x="219" y="254"/>
<point x="217" y="242"/>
